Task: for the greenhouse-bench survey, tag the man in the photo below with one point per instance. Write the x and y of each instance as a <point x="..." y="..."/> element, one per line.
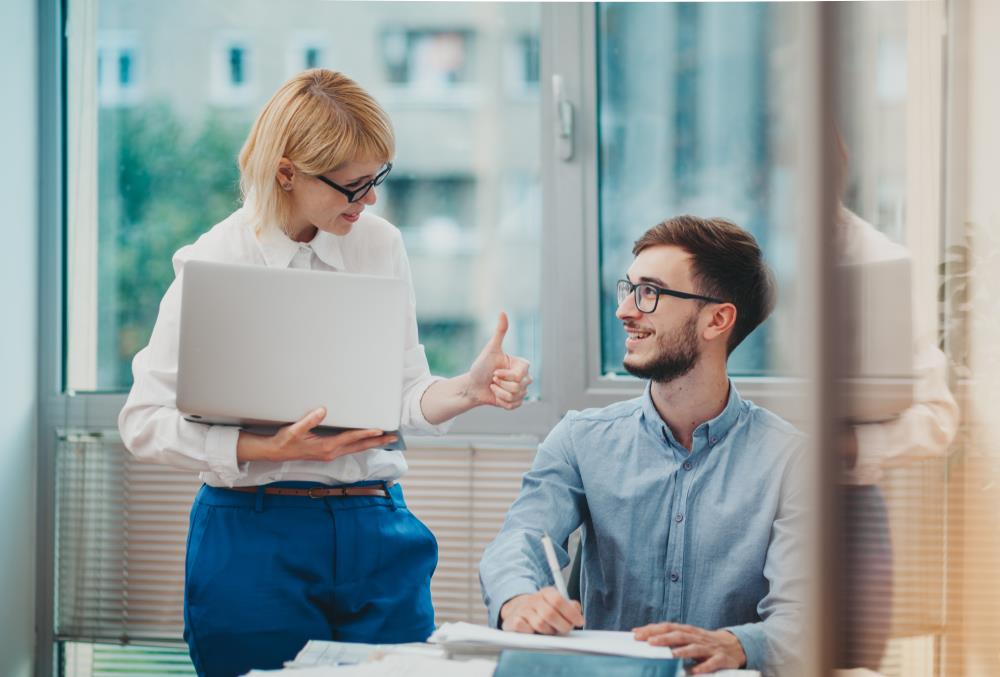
<point x="687" y="495"/>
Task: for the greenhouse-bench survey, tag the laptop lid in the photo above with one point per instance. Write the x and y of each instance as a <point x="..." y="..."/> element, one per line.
<point x="879" y="371"/>
<point x="263" y="346"/>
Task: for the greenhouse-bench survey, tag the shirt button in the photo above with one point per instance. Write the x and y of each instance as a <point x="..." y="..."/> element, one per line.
<point x="674" y="577"/>
<point x="687" y="465"/>
<point x="678" y="518"/>
<point x="713" y="440"/>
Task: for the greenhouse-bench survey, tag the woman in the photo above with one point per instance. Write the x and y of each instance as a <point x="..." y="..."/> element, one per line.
<point x="274" y="556"/>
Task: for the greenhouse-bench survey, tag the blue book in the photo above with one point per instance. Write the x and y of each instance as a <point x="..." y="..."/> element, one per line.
<point x="549" y="664"/>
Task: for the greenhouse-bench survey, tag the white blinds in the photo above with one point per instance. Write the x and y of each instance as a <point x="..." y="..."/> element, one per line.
<point x="121" y="529"/>
<point x="120" y="533"/>
<point x="916" y="499"/>
<point x="463" y="493"/>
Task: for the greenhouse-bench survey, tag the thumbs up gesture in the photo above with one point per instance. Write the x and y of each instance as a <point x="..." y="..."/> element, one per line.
<point x="496" y="378"/>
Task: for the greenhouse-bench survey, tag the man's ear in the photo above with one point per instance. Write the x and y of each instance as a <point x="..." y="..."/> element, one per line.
<point x="286" y="173"/>
<point x="720" y="322"/>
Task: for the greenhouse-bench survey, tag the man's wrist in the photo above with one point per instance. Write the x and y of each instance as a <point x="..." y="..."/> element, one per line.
<point x="504" y="613"/>
<point x="509" y="600"/>
<point x="742" y="654"/>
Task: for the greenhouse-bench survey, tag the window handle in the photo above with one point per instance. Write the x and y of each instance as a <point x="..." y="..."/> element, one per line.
<point x="564" y="120"/>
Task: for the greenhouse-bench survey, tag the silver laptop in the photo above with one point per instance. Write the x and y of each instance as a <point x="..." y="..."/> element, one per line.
<point x="262" y="347"/>
<point x="879" y="370"/>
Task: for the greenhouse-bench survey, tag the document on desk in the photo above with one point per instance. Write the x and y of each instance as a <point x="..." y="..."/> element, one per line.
<point x="318" y="653"/>
<point x="393" y="665"/>
<point x="465" y="636"/>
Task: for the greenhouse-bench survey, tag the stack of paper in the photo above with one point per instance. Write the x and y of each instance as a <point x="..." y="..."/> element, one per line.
<point x="469" y="638"/>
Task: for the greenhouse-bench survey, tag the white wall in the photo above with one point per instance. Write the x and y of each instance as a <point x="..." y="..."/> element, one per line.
<point x="18" y="330"/>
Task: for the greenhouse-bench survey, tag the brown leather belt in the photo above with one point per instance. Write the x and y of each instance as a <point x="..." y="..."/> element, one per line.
<point x="318" y="492"/>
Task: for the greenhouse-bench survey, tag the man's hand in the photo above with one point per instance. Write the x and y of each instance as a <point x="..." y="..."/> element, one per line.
<point x="711" y="649"/>
<point x="545" y="612"/>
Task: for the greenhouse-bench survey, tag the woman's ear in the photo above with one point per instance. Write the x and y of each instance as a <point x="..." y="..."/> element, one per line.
<point x="285" y="174"/>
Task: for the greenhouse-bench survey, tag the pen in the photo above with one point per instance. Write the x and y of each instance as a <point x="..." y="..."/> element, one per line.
<point x="550" y="555"/>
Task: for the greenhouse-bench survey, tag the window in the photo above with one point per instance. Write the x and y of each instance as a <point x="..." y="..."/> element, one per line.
<point x="428" y="61"/>
<point x="237" y="65"/>
<point x="118" y="78"/>
<point x="523" y="65"/>
<point x="422" y="206"/>
<point x="166" y="171"/>
<point x="705" y="140"/>
<point x="232" y="70"/>
<point x="307" y="49"/>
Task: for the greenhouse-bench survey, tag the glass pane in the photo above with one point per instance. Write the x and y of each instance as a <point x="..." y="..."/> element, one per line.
<point x="898" y="486"/>
<point x="155" y="131"/>
<point x="690" y="122"/>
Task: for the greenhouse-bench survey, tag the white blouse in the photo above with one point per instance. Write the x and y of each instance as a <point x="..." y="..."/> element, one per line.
<point x="152" y="428"/>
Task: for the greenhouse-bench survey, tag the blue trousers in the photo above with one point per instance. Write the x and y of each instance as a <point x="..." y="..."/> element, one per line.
<point x="264" y="574"/>
<point x="867" y="577"/>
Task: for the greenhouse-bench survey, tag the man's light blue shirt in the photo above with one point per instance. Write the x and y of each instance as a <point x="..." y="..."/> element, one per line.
<point x="711" y="537"/>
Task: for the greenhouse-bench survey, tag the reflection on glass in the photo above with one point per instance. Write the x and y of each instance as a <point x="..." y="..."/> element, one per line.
<point x="167" y="126"/>
<point x="690" y="121"/>
<point x="901" y="418"/>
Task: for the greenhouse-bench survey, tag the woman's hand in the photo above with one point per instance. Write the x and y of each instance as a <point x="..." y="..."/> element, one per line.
<point x="297" y="442"/>
<point x="496" y="378"/>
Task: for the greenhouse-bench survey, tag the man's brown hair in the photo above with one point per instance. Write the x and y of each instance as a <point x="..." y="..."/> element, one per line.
<point x="726" y="263"/>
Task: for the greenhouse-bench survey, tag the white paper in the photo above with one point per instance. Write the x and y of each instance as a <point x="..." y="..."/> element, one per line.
<point x="325" y="653"/>
<point x="579" y="641"/>
<point x="317" y="652"/>
<point x="396" y="665"/>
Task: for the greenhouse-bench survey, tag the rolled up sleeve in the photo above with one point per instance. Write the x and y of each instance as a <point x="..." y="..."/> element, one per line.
<point x="151" y="427"/>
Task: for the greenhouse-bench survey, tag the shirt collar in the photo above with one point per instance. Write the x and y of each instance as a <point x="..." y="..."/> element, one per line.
<point x="328" y="248"/>
<point x="279" y="249"/>
<point x="715" y="429"/>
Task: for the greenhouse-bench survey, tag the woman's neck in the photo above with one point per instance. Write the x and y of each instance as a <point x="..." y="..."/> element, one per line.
<point x="301" y="232"/>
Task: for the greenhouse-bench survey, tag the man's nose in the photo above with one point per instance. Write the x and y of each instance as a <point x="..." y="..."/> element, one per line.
<point x="627" y="308"/>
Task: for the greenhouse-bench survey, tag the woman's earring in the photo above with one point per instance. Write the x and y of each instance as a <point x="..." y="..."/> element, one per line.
<point x="286" y="186"/>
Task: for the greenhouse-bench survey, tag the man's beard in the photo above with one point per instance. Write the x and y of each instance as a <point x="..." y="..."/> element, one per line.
<point x="678" y="355"/>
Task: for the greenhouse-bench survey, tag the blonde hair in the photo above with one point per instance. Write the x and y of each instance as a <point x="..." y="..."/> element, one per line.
<point x="319" y="120"/>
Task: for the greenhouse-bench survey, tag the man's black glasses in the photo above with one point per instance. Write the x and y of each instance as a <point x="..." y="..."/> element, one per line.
<point x="358" y="193"/>
<point x="648" y="295"/>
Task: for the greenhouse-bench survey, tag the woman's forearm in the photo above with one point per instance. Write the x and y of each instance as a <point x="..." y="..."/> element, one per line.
<point x="446" y="399"/>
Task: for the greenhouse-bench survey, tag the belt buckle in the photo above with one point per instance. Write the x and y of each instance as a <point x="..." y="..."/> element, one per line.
<point x="311" y="492"/>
